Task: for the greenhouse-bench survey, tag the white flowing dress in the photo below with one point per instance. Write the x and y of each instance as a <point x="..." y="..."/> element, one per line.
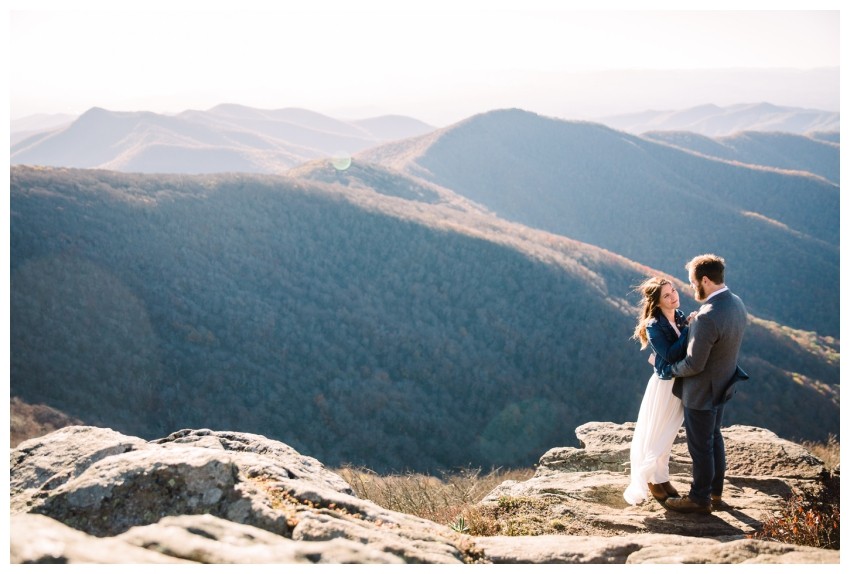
<point x="660" y="417"/>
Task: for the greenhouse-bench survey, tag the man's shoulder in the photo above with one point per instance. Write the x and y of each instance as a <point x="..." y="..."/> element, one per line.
<point x="723" y="299"/>
<point x="737" y="299"/>
<point x="722" y="309"/>
<point x="742" y="309"/>
<point x="727" y="298"/>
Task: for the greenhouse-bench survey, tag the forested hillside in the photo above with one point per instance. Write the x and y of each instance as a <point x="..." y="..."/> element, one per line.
<point x="400" y="329"/>
<point x="652" y="203"/>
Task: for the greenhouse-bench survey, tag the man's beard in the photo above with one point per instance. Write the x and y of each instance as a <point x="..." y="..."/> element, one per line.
<point x="700" y="292"/>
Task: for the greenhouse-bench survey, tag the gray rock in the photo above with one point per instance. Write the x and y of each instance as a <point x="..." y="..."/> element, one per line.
<point x="732" y="552"/>
<point x="89" y="495"/>
<point x="758" y="452"/>
<point x="140" y="487"/>
<point x="212" y="540"/>
<point x="645" y="549"/>
<point x="750" y="451"/>
<point x="240" y="478"/>
<point x="297" y="465"/>
<point x="36" y="539"/>
<point x="47" y="462"/>
<point x="428" y="544"/>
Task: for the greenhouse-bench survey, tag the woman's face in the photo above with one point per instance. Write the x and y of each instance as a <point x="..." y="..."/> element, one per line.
<point x="669" y="299"/>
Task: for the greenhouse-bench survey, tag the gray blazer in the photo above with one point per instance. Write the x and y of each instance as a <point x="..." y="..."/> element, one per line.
<point x="714" y="339"/>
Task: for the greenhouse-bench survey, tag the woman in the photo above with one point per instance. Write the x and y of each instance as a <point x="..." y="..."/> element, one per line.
<point x="664" y="327"/>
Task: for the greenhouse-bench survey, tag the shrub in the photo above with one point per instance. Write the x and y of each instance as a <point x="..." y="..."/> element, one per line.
<point x="805" y="522"/>
<point x="811" y="519"/>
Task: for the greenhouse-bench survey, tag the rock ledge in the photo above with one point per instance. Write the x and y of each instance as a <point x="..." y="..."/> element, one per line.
<point x="92" y="495"/>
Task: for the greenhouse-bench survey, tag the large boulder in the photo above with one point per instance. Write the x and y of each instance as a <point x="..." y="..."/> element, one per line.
<point x="244" y="479"/>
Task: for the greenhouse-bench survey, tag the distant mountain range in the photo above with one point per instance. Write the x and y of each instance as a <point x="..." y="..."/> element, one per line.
<point x="23" y="128"/>
<point x="230" y="137"/>
<point x="224" y="138"/>
<point x="715" y="121"/>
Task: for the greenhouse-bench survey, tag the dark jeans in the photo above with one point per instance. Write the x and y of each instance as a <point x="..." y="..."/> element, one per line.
<point x="705" y="444"/>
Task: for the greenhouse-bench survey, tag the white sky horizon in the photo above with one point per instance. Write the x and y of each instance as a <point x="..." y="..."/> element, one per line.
<point x="437" y="61"/>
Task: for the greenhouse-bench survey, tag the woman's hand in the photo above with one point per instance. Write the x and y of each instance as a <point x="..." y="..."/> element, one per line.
<point x="652" y="359"/>
<point x="691" y="317"/>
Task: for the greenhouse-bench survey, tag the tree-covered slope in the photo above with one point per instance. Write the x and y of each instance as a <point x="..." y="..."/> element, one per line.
<point x="649" y="202"/>
<point x="402" y="329"/>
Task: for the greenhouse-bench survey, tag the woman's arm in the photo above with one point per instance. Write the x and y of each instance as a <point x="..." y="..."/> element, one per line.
<point x="666" y="350"/>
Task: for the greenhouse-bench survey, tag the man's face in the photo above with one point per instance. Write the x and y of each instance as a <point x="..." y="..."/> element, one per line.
<point x="699" y="290"/>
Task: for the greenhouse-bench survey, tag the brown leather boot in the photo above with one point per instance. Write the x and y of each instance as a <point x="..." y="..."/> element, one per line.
<point x="657" y="491"/>
<point x="685" y="504"/>
<point x="669" y="488"/>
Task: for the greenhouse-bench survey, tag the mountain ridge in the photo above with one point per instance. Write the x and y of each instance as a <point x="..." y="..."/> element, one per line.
<point x="228" y="137"/>
<point x="557" y="176"/>
<point x="269" y="141"/>
<point x="769" y="149"/>
<point x="716" y="121"/>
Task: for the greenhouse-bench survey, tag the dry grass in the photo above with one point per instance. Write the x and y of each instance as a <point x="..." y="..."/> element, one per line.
<point x="451" y="499"/>
<point x="28" y="421"/>
<point x="829" y="452"/>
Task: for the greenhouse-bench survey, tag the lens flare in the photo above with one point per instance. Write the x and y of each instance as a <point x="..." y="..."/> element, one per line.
<point x="341" y="160"/>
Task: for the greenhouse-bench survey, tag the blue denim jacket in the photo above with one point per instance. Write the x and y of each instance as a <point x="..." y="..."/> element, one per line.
<point x="668" y="346"/>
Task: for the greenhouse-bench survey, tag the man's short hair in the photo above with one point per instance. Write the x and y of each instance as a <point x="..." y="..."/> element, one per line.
<point x="708" y="265"/>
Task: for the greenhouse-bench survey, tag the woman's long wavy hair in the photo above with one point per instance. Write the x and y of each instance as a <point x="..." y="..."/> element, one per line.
<point x="650" y="290"/>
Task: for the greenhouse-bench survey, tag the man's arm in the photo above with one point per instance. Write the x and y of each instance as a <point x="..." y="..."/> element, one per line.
<point x="702" y="339"/>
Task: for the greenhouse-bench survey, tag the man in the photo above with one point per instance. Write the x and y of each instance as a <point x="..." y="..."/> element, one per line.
<point x="714" y="339"/>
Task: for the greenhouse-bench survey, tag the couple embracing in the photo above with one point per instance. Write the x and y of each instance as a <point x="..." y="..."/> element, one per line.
<point x="695" y="369"/>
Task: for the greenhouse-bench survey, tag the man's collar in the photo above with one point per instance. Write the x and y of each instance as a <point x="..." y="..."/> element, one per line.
<point x="721" y="290"/>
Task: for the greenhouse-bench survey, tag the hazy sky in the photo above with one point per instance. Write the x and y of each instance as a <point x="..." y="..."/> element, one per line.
<point x="436" y="60"/>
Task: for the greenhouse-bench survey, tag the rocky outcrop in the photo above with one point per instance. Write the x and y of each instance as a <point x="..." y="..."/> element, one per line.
<point x="91" y="495"/>
<point x="587" y="483"/>
<point x="114" y="485"/>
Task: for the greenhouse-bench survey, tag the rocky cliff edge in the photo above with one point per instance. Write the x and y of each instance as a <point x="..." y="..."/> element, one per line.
<point x="92" y="495"/>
